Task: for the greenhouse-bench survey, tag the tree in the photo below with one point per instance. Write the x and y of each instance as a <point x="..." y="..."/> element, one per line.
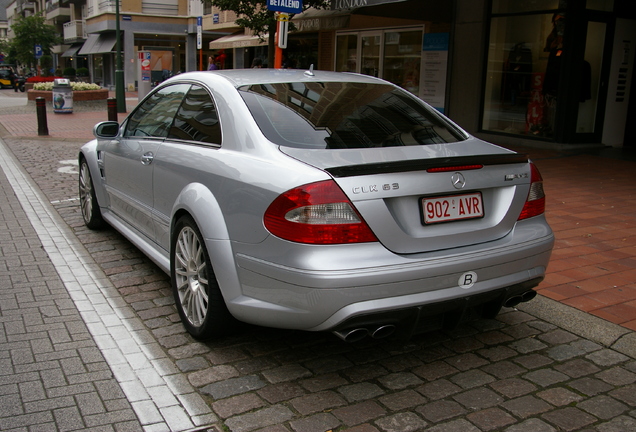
<point x="254" y="15"/>
<point x="28" y="32"/>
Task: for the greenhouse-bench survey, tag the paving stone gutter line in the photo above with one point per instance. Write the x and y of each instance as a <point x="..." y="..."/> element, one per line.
<point x="582" y="324"/>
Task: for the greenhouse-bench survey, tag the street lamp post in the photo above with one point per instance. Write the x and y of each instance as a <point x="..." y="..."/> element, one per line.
<point x="120" y="94"/>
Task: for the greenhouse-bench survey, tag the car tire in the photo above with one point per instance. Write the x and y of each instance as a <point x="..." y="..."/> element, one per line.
<point x="88" y="200"/>
<point x="196" y="291"/>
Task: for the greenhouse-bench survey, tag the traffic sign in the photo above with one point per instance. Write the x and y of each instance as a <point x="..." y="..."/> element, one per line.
<point x="38" y="51"/>
<point x="287" y="6"/>
<point x="199" y="32"/>
<point x="283" y="31"/>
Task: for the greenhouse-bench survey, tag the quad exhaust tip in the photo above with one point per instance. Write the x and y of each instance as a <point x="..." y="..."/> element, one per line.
<point x="515" y="300"/>
<point x="357" y="334"/>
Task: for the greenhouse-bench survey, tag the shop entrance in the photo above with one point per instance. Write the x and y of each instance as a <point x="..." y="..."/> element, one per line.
<point x="585" y="79"/>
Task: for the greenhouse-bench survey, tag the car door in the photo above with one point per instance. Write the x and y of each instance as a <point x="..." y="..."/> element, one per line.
<point x="128" y="162"/>
<point x="185" y="156"/>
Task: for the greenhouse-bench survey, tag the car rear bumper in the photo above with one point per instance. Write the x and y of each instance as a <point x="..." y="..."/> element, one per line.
<point x="445" y="314"/>
<point x="277" y="295"/>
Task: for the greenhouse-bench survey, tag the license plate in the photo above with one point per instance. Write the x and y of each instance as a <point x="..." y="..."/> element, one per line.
<point x="452" y="208"/>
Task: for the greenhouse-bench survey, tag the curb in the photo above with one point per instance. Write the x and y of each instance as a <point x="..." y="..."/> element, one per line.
<point x="582" y="324"/>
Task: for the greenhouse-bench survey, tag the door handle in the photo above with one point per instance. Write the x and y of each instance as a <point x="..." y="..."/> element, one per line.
<point x="147" y="158"/>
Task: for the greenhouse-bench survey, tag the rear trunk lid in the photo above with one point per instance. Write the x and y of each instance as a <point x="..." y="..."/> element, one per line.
<point x="426" y="198"/>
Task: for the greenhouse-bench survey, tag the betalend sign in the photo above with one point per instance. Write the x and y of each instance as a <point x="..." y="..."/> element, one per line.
<point x="287" y="6"/>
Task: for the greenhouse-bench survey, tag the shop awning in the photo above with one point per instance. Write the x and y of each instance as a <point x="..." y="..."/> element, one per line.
<point x="98" y="44"/>
<point x="313" y="20"/>
<point x="238" y="40"/>
<point x="72" y="51"/>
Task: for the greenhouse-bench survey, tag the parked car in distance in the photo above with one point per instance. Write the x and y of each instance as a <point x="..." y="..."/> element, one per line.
<point x="316" y="201"/>
<point x="7" y="76"/>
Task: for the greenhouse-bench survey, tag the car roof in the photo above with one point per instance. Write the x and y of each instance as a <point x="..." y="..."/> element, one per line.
<point x="242" y="77"/>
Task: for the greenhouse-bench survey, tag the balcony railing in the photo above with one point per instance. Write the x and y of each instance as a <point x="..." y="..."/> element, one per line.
<point x="24" y="5"/>
<point x="55" y="10"/>
<point x="74" y="31"/>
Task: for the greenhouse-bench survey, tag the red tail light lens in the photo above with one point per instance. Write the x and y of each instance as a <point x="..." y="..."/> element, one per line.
<point x="317" y="213"/>
<point x="535" y="203"/>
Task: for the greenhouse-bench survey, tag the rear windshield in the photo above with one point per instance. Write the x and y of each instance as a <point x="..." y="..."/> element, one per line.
<point x="342" y="115"/>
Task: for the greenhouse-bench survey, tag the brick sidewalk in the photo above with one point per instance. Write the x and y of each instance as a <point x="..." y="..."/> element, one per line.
<point x="591" y="206"/>
<point x="77" y="125"/>
<point x="22" y="121"/>
<point x="52" y="374"/>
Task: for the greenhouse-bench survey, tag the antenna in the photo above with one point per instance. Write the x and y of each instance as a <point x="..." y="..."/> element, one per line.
<point x="310" y="72"/>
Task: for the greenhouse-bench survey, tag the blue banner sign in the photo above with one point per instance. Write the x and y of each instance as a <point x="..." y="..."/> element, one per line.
<point x="287" y="6"/>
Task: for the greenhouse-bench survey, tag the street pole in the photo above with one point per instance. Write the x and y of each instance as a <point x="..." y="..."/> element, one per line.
<point x="278" y="54"/>
<point x="120" y="93"/>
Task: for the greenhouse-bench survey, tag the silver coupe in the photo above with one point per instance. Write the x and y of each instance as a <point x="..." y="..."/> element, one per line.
<point x="317" y="201"/>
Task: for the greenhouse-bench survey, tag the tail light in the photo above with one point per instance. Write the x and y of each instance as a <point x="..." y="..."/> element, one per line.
<point x="535" y="203"/>
<point x="317" y="213"/>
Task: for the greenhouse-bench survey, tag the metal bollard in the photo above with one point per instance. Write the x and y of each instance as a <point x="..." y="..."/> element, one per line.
<point x="112" y="109"/>
<point x="40" y="107"/>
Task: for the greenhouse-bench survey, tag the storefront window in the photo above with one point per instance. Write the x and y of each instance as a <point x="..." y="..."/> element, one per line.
<point x="516" y="6"/>
<point x="347" y="53"/>
<point x="98" y="69"/>
<point x="402" y="59"/>
<point x="523" y="68"/>
<point x="392" y="54"/>
<point x="370" y="60"/>
<point x="602" y="5"/>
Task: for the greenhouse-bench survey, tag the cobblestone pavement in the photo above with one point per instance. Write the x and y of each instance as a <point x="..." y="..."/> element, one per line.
<point x="542" y="367"/>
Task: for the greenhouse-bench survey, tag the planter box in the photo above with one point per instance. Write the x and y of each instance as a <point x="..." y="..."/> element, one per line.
<point x="83" y="100"/>
<point x="78" y="96"/>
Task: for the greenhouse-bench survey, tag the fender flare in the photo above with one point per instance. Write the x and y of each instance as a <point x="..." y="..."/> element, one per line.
<point x="201" y="204"/>
<point x="88" y="152"/>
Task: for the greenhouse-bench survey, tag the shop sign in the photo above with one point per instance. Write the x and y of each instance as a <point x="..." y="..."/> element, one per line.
<point x="535" y="119"/>
<point x="348" y="4"/>
<point x="144" y="58"/>
<point x="287" y="6"/>
<point x="316" y="24"/>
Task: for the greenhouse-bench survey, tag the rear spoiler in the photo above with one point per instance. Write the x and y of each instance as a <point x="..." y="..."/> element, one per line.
<point x="427" y="164"/>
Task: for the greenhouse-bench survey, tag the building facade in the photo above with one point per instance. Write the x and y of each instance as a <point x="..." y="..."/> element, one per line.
<point x="541" y="72"/>
<point x="546" y="72"/>
<point x="166" y="29"/>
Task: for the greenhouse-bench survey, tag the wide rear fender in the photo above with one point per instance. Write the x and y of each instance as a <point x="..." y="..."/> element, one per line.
<point x="199" y="202"/>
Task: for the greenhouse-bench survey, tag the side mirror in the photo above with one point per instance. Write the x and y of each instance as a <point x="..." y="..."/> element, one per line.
<point x="107" y="129"/>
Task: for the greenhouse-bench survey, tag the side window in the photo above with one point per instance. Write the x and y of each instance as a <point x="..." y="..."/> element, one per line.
<point x="197" y="119"/>
<point x="154" y="117"/>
